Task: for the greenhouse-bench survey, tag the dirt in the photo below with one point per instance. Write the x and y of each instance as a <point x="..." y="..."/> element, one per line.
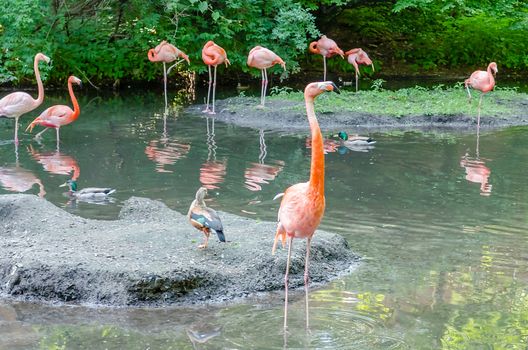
<point x="282" y="115"/>
<point x="148" y="257"/>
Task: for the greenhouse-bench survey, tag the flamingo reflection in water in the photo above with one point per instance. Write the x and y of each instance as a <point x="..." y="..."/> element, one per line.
<point x="166" y="151"/>
<point x="213" y="171"/>
<point x="476" y="169"/>
<point x="17" y="179"/>
<point x="56" y="162"/>
<point x="260" y="173"/>
<point x="329" y="145"/>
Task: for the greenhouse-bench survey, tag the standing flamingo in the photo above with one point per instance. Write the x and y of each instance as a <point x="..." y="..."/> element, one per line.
<point x="356" y="57"/>
<point x="58" y="115"/>
<point x="213" y="55"/>
<point x="483" y="81"/>
<point x="303" y="205"/>
<point x="166" y="53"/>
<point x="263" y="58"/>
<point x="327" y="48"/>
<point x="18" y="103"/>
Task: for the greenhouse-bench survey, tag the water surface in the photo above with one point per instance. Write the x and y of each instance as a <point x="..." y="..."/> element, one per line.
<point x="441" y="227"/>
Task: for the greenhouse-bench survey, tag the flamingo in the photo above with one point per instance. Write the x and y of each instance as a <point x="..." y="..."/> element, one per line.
<point x="483" y="81"/>
<point x="213" y="55"/>
<point x="303" y="205"/>
<point x="166" y="53"/>
<point x="263" y="58"/>
<point x="326" y="47"/>
<point x="356" y="57"/>
<point x="17" y="103"/>
<point x="58" y="115"/>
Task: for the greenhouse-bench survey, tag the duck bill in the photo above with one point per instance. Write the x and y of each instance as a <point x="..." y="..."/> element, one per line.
<point x="64" y="184"/>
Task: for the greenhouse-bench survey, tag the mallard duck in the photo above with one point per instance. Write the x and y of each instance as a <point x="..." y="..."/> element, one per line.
<point x="90" y="193"/>
<point x="205" y="219"/>
<point x="354" y="140"/>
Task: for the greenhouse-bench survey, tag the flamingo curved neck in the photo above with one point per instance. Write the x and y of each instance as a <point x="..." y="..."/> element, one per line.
<point x="40" y="96"/>
<point x="152" y="55"/>
<point x="76" y="108"/>
<point x="317" y="165"/>
<point x="491" y="83"/>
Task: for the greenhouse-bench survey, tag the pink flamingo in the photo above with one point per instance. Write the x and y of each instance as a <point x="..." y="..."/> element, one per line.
<point x="263" y="58"/>
<point x="356" y="57"/>
<point x="327" y="48"/>
<point x="303" y="205"/>
<point x="58" y="115"/>
<point x="18" y="103"/>
<point x="166" y="53"/>
<point x="483" y="81"/>
<point x="213" y="55"/>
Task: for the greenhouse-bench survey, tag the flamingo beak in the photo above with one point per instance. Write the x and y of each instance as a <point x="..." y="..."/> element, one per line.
<point x="335" y="88"/>
<point x="372" y="65"/>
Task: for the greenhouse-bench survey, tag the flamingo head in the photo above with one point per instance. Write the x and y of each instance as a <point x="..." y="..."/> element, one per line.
<point x="74" y="80"/>
<point x="41" y="57"/>
<point x="493" y="67"/>
<point x="315" y="89"/>
<point x="72" y="184"/>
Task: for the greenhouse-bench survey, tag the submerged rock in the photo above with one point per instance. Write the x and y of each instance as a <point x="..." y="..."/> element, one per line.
<point x="149" y="256"/>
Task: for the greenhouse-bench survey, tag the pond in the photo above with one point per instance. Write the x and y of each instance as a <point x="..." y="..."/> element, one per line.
<point x="441" y="226"/>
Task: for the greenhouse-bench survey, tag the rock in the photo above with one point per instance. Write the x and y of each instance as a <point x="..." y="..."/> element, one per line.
<point x="149" y="256"/>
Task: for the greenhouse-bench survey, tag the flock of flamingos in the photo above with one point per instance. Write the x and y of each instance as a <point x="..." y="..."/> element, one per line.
<point x="303" y="204"/>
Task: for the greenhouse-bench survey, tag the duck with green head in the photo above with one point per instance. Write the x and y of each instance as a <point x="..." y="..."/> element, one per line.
<point x="354" y="140"/>
<point x="89" y="193"/>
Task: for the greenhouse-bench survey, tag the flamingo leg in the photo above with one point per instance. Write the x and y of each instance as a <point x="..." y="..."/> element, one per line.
<point x="16" y="130"/>
<point x="262" y="88"/>
<point x="469" y="93"/>
<point x="290" y="244"/>
<point x="324" y="68"/>
<point x="265" y="86"/>
<point x="214" y="91"/>
<point x="307" y="260"/>
<point x="37" y="136"/>
<point x="356" y="82"/>
<point x="307" y="308"/>
<point x="478" y="115"/>
<point x="58" y="137"/>
<point x="165" y="82"/>
<point x="206" y="110"/>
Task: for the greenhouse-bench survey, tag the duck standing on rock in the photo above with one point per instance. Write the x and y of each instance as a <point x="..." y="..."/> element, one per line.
<point x="88" y="194"/>
<point x="205" y="219"/>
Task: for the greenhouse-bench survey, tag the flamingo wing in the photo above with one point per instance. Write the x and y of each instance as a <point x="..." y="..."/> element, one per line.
<point x="15" y="104"/>
<point x="55" y="116"/>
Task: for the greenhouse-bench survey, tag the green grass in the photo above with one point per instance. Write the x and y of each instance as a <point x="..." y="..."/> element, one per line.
<point x="417" y="101"/>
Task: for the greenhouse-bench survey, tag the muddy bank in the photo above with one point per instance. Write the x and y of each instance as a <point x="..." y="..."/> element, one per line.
<point x="287" y="116"/>
<point x="149" y="256"/>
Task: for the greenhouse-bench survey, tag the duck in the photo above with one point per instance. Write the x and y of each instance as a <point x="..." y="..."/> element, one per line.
<point x="204" y="218"/>
<point x="90" y="193"/>
<point x="354" y="140"/>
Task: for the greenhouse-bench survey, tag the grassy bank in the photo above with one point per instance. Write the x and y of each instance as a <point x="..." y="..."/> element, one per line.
<point x="417" y="101"/>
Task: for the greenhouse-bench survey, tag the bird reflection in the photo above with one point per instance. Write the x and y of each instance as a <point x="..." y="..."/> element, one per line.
<point x="213" y="171"/>
<point x="56" y="162"/>
<point x="17" y="179"/>
<point x="166" y="151"/>
<point x="260" y="173"/>
<point x="306" y="317"/>
<point x="201" y="333"/>
<point x="329" y="145"/>
<point x="476" y="169"/>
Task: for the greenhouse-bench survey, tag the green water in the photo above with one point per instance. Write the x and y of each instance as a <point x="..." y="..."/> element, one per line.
<point x="442" y="233"/>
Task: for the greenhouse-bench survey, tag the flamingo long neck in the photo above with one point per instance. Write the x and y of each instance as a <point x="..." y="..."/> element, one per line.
<point x="40" y="96"/>
<point x="76" y="109"/>
<point x="317" y="167"/>
<point x="491" y="78"/>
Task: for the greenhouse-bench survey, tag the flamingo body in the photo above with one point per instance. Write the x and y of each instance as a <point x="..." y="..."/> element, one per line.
<point x="263" y="58"/>
<point x="327" y="48"/>
<point x="18" y="103"/>
<point x="212" y="56"/>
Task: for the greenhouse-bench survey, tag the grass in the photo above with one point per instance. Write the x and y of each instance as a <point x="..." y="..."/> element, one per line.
<point x="416" y="101"/>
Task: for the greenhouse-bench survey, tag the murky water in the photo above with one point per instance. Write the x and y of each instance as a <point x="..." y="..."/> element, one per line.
<point x="442" y="229"/>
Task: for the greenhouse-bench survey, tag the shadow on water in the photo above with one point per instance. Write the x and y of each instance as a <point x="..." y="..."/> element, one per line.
<point x="444" y="262"/>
